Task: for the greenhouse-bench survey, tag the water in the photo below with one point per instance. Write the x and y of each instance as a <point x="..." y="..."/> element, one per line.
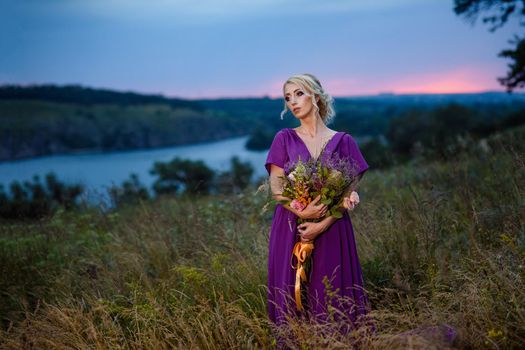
<point x="99" y="171"/>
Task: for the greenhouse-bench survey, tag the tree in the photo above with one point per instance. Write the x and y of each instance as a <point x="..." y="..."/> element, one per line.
<point x="497" y="13"/>
<point x="131" y="191"/>
<point x="34" y="200"/>
<point x="193" y="177"/>
<point x="377" y="154"/>
<point x="429" y="130"/>
<point x="237" y="178"/>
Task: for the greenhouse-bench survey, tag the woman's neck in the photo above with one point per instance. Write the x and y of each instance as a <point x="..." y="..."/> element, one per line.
<point x="311" y="127"/>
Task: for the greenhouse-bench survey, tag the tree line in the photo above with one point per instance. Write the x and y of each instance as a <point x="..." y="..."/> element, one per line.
<point x="35" y="199"/>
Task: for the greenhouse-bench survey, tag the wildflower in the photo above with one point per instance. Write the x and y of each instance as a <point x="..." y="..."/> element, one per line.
<point x="493" y="333"/>
<point x="297" y="205"/>
<point x="335" y="174"/>
<point x="352" y="201"/>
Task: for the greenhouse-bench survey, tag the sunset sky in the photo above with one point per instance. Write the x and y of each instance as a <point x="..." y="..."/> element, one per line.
<point x="237" y="48"/>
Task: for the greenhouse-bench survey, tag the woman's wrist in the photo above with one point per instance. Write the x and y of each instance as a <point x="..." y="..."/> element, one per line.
<point x="327" y="222"/>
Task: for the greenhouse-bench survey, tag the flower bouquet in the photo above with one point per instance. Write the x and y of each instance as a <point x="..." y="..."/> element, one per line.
<point x="330" y="179"/>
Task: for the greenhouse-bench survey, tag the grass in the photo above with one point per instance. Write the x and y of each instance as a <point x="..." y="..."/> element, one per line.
<point x="439" y="242"/>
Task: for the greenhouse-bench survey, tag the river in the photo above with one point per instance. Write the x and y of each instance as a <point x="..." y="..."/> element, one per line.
<point x="99" y="171"/>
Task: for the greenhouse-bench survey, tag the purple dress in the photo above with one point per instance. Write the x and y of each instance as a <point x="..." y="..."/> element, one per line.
<point x="335" y="253"/>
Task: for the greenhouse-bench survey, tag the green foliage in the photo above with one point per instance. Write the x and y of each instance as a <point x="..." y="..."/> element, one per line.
<point x="34" y="128"/>
<point x="192" y="177"/>
<point x="417" y="132"/>
<point x="439" y="242"/>
<point x="237" y="178"/>
<point x="34" y="200"/>
<point x="260" y="139"/>
<point x="131" y="192"/>
<point x="377" y="154"/>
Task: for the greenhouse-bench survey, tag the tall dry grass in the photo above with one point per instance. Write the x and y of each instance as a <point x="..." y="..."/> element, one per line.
<point x="440" y="243"/>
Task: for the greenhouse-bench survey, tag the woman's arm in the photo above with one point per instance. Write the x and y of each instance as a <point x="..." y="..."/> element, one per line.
<point x="277" y="185"/>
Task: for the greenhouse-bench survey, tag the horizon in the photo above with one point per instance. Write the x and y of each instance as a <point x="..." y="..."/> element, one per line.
<point x="380" y="94"/>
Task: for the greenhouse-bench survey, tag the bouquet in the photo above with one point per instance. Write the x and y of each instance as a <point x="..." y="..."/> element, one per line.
<point x="330" y="179"/>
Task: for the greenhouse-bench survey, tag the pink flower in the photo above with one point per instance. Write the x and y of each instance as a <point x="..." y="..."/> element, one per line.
<point x="354" y="197"/>
<point x="350" y="202"/>
<point x="297" y="205"/>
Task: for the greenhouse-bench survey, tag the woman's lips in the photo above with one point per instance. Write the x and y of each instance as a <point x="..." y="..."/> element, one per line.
<point x="296" y="109"/>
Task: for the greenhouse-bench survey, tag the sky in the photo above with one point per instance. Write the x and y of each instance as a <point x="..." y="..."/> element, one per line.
<point x="248" y="48"/>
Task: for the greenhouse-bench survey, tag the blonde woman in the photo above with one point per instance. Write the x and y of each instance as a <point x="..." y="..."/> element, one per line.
<point x="335" y="254"/>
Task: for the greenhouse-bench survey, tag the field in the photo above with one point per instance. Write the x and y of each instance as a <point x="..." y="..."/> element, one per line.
<point x="440" y="243"/>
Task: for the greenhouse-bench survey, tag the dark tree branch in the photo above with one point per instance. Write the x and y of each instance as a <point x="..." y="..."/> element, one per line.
<point x="516" y="76"/>
<point x="497" y="13"/>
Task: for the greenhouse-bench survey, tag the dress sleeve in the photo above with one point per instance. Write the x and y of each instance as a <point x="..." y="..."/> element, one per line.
<point x="277" y="152"/>
<point x="354" y="154"/>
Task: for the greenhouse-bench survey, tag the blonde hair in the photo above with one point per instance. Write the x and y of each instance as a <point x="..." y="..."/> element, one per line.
<point x="312" y="87"/>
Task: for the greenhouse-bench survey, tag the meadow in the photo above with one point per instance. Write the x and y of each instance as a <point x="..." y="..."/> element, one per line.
<point x="440" y="242"/>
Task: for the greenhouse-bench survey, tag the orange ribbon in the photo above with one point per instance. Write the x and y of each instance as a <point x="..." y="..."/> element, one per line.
<point x="301" y="251"/>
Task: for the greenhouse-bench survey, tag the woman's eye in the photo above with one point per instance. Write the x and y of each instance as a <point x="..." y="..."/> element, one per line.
<point x="287" y="99"/>
<point x="300" y="93"/>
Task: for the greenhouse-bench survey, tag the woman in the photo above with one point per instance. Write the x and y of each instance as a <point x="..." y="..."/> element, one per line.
<point x="335" y="257"/>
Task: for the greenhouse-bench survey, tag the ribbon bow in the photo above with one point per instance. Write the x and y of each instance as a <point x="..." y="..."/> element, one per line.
<point x="301" y="251"/>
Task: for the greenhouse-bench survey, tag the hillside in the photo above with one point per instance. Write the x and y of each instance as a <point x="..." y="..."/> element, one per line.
<point x="47" y="119"/>
<point x="439" y="242"/>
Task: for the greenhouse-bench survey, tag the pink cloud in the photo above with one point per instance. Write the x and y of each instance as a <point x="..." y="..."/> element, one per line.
<point x="459" y="80"/>
<point x="465" y="79"/>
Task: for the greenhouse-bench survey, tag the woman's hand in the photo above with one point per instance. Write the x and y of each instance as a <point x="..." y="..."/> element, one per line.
<point x="310" y="230"/>
<point x="313" y="210"/>
<point x="351" y="202"/>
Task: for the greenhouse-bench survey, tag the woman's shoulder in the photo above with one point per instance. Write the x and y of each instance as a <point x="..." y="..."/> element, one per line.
<point x="346" y="141"/>
<point x="283" y="133"/>
<point x="347" y="137"/>
<point x="281" y="137"/>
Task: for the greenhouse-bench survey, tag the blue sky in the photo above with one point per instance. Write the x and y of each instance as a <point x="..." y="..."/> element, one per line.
<point x="213" y="48"/>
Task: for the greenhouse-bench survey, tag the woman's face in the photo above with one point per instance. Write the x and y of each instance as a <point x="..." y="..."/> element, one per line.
<point x="297" y="101"/>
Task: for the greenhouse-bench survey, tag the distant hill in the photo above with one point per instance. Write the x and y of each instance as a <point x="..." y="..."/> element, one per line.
<point x="40" y="120"/>
<point x="76" y="94"/>
<point x="363" y="115"/>
<point x="467" y="99"/>
<point x="44" y="120"/>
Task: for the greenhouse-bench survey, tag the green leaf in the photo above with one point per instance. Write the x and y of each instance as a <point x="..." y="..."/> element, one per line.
<point x="327" y="201"/>
<point x="337" y="214"/>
